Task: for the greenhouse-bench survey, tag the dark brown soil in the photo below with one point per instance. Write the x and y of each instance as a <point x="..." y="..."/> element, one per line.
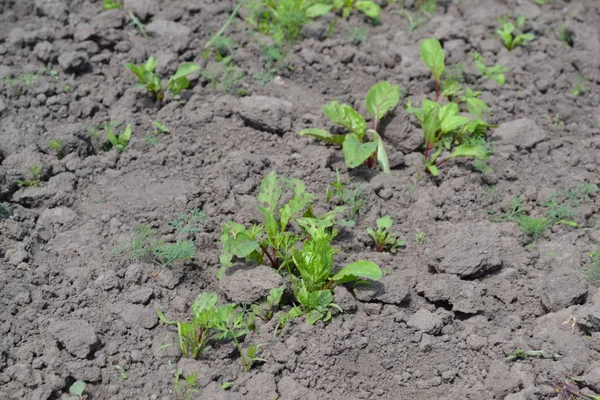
<point x="448" y="311"/>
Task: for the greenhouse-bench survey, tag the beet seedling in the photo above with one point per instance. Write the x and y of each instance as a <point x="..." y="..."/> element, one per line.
<point x="506" y="33"/>
<point x="444" y="129"/>
<point x="148" y="80"/>
<point x="384" y="240"/>
<point x="313" y="287"/>
<point x="494" y="73"/>
<point x="76" y="391"/>
<point x="370" y="8"/>
<point x="433" y="56"/>
<point x="270" y="241"/>
<point x="117" y="140"/>
<point x="360" y="145"/>
<point x="265" y="311"/>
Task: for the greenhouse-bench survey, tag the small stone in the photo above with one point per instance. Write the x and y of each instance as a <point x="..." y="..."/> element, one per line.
<point x="141" y="296"/>
<point x="426" y="322"/>
<point x="136" y="315"/>
<point x="523" y="133"/>
<point x="561" y="289"/>
<point x="72" y="60"/>
<point x="265" y="113"/>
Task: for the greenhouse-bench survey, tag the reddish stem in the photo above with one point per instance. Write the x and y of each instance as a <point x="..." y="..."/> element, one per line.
<point x="273" y="261"/>
<point x="437" y="90"/>
<point x="427" y="148"/>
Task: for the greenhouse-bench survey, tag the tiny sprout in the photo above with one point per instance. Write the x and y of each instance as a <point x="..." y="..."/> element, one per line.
<point x="75" y="392"/>
<point x="117" y="140"/>
<point x="36" y="173"/>
<point x="420" y="238"/>
<point x="147" y="78"/>
<point x="506" y="33"/>
<point x="55" y="146"/>
<point x="383" y="239"/>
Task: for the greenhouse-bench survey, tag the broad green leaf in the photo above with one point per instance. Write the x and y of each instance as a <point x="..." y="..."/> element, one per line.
<point x="323" y="135"/>
<point x="151" y="64"/>
<point x="451" y="123"/>
<point x="346" y="116"/>
<point x="384" y="222"/>
<point x="270" y="222"/>
<point x="323" y="298"/>
<point x="382" y="158"/>
<point x="318" y="10"/>
<point x="77" y="388"/>
<point x="293" y="207"/>
<point x="448" y="110"/>
<point x="369" y="8"/>
<point x="381" y="98"/>
<point x="451" y="88"/>
<point x="433" y="170"/>
<point x="433" y="56"/>
<point x="315" y="262"/>
<point x="431" y="126"/>
<point x="355" y="152"/>
<point x="358" y="270"/>
<point x="185" y="70"/>
<point x="112" y="138"/>
<point x="136" y="70"/>
<point x="476" y="106"/>
<point x="469" y="151"/>
<point x="270" y="191"/>
<point x="315" y="227"/>
<point x="313" y="317"/>
<point x="241" y="247"/>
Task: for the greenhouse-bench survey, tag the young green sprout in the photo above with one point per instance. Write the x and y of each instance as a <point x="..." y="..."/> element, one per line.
<point x="117" y="140"/>
<point x="384" y="240"/>
<point x="110" y="4"/>
<point x="370" y="8"/>
<point x="360" y="145"/>
<point x="420" y="238"/>
<point x="36" y="177"/>
<point x="433" y="56"/>
<point x="506" y="33"/>
<point x="148" y="80"/>
<point x="494" y="73"/>
<point x="76" y="391"/>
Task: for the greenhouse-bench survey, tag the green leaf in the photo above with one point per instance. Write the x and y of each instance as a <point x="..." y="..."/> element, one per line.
<point x="323" y="135"/>
<point x="241" y="247"/>
<point x="270" y="222"/>
<point x="318" y="10"/>
<point x="77" y="388"/>
<point x="185" y="70"/>
<point x="112" y="138"/>
<point x="176" y="86"/>
<point x="126" y="135"/>
<point x="476" y="106"/>
<point x="270" y="191"/>
<point x="346" y="116"/>
<point x="431" y="126"/>
<point x="384" y="222"/>
<point x="433" y="170"/>
<point x="313" y="317"/>
<point x="357" y="270"/>
<point x="453" y="122"/>
<point x="382" y="158"/>
<point x="469" y="151"/>
<point x="355" y="152"/>
<point x="369" y="8"/>
<point x="433" y="56"/>
<point x="381" y="98"/>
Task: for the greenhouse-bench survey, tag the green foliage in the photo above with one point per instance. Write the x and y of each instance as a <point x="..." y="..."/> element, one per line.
<point x="507" y="29"/>
<point x="36" y="177"/>
<point x="591" y="269"/>
<point x="4" y="212"/>
<point x="534" y="227"/>
<point x="116" y="140"/>
<point x="370" y="8"/>
<point x="185" y="388"/>
<point x="566" y="35"/>
<point x="111" y="4"/>
<point x="383" y="239"/>
<point x="483" y="168"/>
<point x="433" y="56"/>
<point x="266" y="310"/>
<point x="494" y="73"/>
<point x="148" y="80"/>
<point x="358" y="34"/>
<point x="76" y="391"/>
<point x="271" y="240"/>
<point x="579" y="87"/>
<point x="55" y="146"/>
<point x="147" y="246"/>
<point x="135" y="21"/>
<point x="360" y="145"/>
<point x="444" y="129"/>
<point x="313" y="285"/>
<point x="212" y="322"/>
<point x="283" y="19"/>
<point x="521" y="354"/>
<point x="420" y="238"/>
<point x="352" y="198"/>
<point x="568" y="389"/>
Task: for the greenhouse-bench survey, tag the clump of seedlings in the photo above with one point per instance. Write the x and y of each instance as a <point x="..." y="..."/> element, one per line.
<point x="444" y="128"/>
<point x="213" y="322"/>
<point x="369" y="8"/>
<point x="34" y="179"/>
<point x="148" y="246"/>
<point x="494" y="73"/>
<point x="510" y="39"/>
<point x="116" y="140"/>
<point x="184" y="387"/>
<point x="149" y="80"/>
<point x="360" y="145"/>
<point x="383" y="239"/>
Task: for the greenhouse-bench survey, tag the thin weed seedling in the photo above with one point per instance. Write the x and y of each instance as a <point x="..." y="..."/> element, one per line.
<point x="135" y="21"/>
<point x="185" y="388"/>
<point x="56" y="147"/>
<point x="591" y="269"/>
<point x="521" y="354"/>
<point x="494" y="73"/>
<point x="352" y="198"/>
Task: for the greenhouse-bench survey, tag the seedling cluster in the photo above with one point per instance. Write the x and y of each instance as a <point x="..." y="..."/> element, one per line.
<point x="149" y="80"/>
<point x="507" y="30"/>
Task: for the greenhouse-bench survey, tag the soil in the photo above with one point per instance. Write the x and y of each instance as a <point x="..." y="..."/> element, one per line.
<point x="448" y="311"/>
